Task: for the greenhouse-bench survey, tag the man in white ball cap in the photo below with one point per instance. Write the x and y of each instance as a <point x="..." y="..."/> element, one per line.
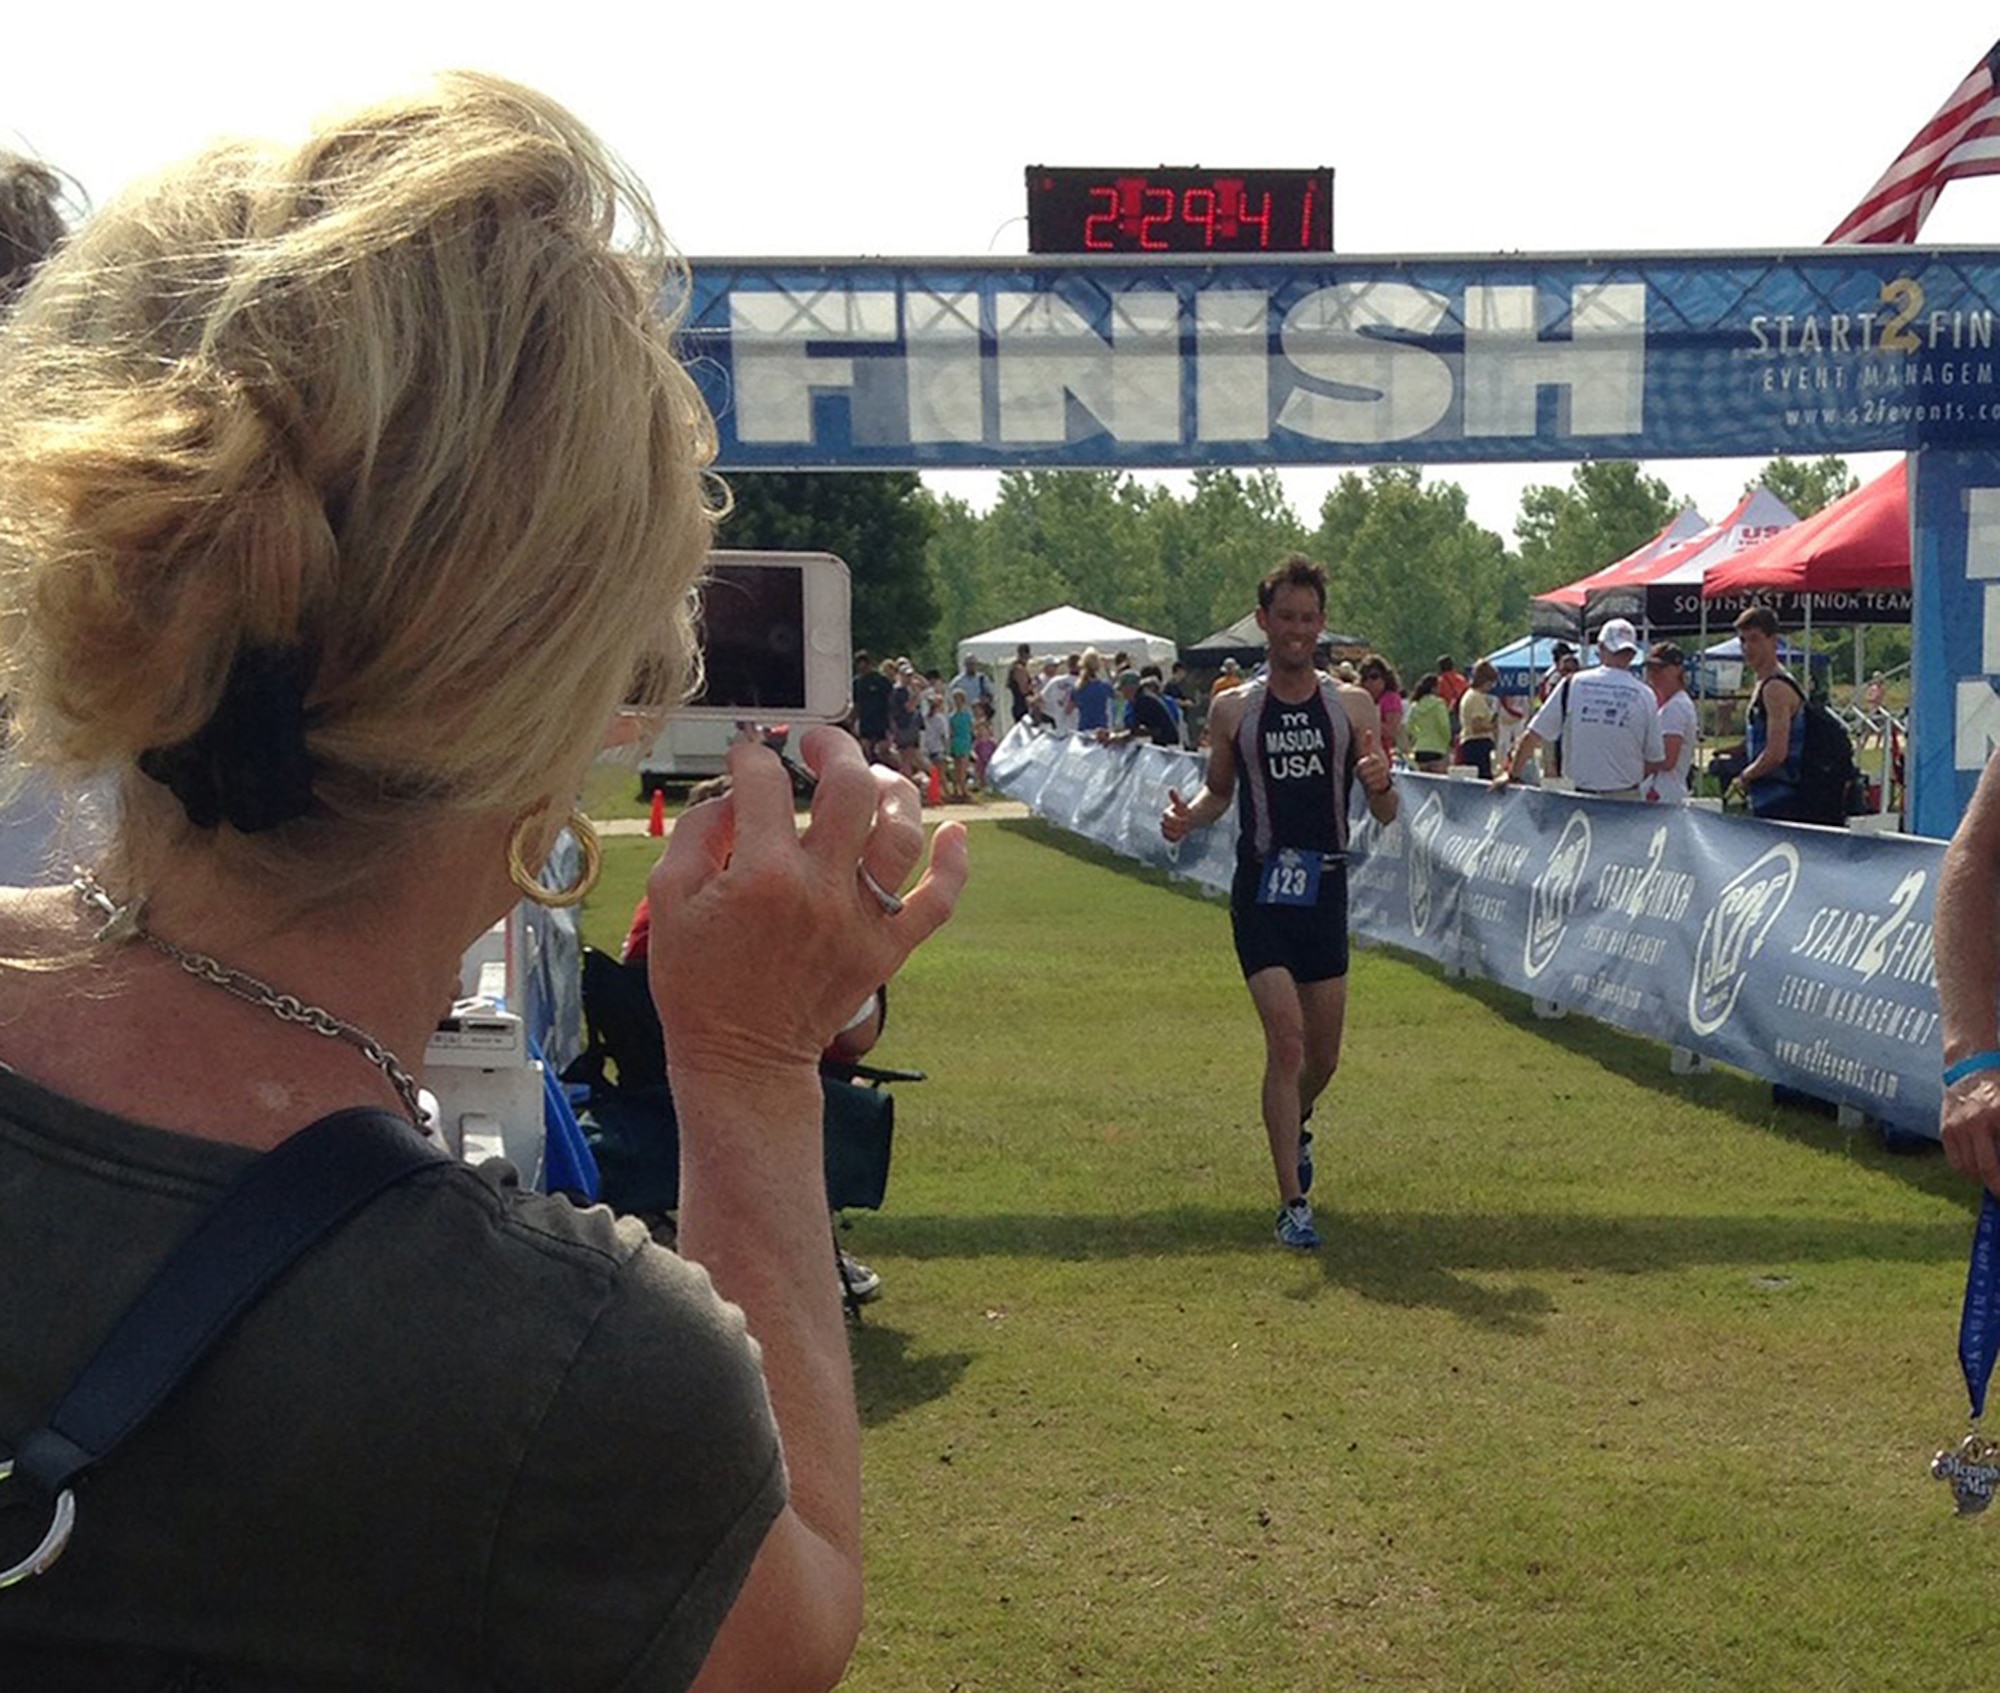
<point x="1606" y="720"/>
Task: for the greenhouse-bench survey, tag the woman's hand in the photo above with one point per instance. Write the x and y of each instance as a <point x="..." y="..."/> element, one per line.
<point x="764" y="939"/>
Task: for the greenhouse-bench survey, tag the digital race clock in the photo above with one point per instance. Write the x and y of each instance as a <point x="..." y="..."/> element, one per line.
<point x="1175" y="210"/>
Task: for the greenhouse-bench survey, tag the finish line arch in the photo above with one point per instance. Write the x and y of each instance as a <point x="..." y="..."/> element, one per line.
<point x="856" y="364"/>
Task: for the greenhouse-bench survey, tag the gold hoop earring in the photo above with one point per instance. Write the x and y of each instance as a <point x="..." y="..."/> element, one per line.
<point x="528" y="882"/>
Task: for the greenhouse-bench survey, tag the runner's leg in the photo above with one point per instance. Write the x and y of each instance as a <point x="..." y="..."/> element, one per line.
<point x="1323" y="1007"/>
<point x="1279" y="1009"/>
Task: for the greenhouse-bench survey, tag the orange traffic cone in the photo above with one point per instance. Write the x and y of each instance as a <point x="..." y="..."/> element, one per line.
<point x="934" y="794"/>
<point x="657" y="823"/>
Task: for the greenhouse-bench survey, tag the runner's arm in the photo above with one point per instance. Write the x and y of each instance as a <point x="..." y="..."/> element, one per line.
<point x="1371" y="764"/>
<point x="1218" y="787"/>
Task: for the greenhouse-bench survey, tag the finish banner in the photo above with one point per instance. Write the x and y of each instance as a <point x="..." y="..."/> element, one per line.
<point x="1803" y="955"/>
<point x="997" y="363"/>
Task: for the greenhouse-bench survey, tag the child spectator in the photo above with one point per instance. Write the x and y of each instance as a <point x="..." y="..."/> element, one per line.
<point x="936" y="745"/>
<point x="983" y="742"/>
<point x="960" y="725"/>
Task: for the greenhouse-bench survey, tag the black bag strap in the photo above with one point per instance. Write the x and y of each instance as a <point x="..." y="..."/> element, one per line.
<point x="283" y="1202"/>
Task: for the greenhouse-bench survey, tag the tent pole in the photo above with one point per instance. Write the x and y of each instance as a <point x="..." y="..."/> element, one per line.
<point x="1701" y="655"/>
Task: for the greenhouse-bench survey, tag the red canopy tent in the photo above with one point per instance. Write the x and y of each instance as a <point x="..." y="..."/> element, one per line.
<point x="1560" y="610"/>
<point x="1666" y="594"/>
<point x="1859" y="544"/>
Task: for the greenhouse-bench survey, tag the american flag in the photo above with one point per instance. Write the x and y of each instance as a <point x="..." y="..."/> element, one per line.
<point x="1962" y="140"/>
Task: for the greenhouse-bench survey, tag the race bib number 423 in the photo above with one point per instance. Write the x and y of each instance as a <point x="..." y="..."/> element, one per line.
<point x="1289" y="877"/>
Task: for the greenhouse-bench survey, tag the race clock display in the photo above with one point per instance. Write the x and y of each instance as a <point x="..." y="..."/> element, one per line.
<point x="1171" y="209"/>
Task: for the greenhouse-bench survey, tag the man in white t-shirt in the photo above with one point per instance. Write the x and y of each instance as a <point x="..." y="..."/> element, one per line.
<point x="1058" y="697"/>
<point x="1680" y="729"/>
<point x="1606" y="719"/>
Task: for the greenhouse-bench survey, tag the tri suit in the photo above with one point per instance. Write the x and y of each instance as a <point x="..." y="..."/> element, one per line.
<point x="1295" y="771"/>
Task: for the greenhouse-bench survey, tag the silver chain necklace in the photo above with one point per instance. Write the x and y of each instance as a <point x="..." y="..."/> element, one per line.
<point x="121" y="923"/>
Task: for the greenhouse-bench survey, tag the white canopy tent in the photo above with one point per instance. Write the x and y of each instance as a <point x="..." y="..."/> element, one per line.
<point x="1057" y="633"/>
<point x="1063" y="630"/>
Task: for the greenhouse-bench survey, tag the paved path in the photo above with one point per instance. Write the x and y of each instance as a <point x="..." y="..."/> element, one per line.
<point x="980" y="811"/>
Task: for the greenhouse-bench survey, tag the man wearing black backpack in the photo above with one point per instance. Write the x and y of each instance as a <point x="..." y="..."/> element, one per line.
<point x="1801" y="761"/>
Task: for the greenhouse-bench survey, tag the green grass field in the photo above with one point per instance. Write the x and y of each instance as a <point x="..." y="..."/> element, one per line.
<point x="1606" y="1379"/>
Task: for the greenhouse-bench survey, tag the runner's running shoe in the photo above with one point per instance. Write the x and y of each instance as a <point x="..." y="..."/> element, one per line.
<point x="1295" y="1227"/>
<point x="859" y="1282"/>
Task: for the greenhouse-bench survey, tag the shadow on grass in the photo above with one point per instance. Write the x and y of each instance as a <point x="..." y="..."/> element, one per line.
<point x="890" y="1379"/>
<point x="1436" y="1260"/>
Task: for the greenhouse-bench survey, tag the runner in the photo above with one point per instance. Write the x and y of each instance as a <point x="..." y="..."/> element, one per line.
<point x="1300" y="739"/>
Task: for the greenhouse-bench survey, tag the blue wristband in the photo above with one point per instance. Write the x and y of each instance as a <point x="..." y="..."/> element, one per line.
<point x="1955" y="1073"/>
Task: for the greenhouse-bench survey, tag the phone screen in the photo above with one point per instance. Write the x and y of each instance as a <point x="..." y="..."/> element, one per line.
<point x="753" y="638"/>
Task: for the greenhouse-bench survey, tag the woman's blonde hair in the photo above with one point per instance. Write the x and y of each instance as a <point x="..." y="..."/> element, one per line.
<point x="398" y="405"/>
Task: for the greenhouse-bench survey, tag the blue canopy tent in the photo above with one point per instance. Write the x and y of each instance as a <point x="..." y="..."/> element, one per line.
<point x="1522" y="664"/>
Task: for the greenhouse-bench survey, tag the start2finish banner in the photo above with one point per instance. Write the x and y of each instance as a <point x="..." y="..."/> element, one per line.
<point x="888" y="364"/>
<point x="1799" y="954"/>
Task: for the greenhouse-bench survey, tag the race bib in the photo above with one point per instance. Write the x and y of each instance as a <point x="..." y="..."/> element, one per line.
<point x="1289" y="877"/>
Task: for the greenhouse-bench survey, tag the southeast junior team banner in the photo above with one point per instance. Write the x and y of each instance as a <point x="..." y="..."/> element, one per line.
<point x="1803" y="955"/>
<point x="1083" y="362"/>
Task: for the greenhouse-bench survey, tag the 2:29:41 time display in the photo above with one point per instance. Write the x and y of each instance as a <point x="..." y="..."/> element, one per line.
<point x="1180" y="211"/>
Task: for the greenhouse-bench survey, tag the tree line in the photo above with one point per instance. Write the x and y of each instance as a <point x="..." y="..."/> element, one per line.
<point x="1407" y="570"/>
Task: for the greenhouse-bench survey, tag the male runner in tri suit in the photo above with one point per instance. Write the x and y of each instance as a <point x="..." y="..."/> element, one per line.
<point x="1299" y="740"/>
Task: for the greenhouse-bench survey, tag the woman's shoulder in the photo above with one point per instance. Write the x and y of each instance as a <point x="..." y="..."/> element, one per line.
<point x="635" y="1386"/>
<point x="535" y="1370"/>
<point x="557" y="1276"/>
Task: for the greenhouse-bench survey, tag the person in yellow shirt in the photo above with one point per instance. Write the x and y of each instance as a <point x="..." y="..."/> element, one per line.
<point x="1479" y="719"/>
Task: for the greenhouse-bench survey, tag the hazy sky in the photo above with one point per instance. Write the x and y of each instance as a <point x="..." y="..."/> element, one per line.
<point x="879" y="127"/>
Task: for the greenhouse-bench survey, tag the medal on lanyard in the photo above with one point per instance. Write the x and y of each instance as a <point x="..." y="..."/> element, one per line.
<point x="1972" y="1468"/>
<point x="1290" y="877"/>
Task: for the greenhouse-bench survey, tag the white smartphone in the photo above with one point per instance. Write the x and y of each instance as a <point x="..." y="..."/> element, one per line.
<point x="777" y="639"/>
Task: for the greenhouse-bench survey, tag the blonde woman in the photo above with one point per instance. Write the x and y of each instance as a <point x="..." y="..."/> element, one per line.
<point x="1093" y="695"/>
<point x="345" y="490"/>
